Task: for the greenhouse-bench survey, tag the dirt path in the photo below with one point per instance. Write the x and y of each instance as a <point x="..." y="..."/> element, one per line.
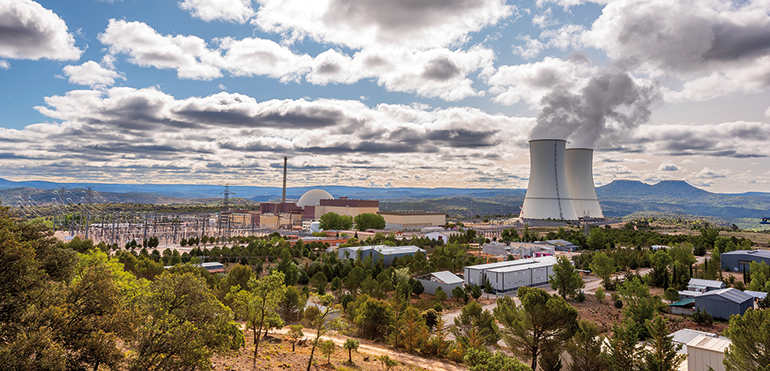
<point x="377" y="350"/>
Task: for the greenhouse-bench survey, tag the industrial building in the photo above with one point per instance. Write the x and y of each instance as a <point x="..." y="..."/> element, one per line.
<point x="740" y="260"/>
<point x="724" y="303"/>
<point x="506" y="277"/>
<point x="444" y="279"/>
<point x="561" y="183"/>
<point x="309" y="207"/>
<point x="379" y="253"/>
<point x="703" y="349"/>
<point x="412" y="220"/>
<point x="518" y="249"/>
<point x="701" y="285"/>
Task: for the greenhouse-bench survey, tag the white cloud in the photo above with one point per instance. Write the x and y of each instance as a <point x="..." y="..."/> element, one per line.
<point x="237" y="11"/>
<point x="440" y="72"/>
<point x="4" y="64"/>
<point x="222" y="87"/>
<point x="189" y="55"/>
<point x="730" y="139"/>
<point x="668" y="166"/>
<point x="529" y="83"/>
<point x="361" y="23"/>
<point x="29" y="31"/>
<point x="544" y="19"/>
<point x="92" y="74"/>
<point x="130" y="132"/>
<point x="530" y="49"/>
<point x="260" y="57"/>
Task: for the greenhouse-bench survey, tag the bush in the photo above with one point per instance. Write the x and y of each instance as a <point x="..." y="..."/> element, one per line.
<point x="580" y="297"/>
<point x="702" y="317"/>
<point x="618" y="303"/>
<point x="600" y="293"/>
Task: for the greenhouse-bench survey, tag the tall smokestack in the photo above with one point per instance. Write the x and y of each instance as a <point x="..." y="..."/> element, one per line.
<point x="548" y="195"/>
<point x="580" y="179"/>
<point x="283" y="197"/>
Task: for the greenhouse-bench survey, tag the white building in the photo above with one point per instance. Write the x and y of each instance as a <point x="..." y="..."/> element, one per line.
<point x="508" y="276"/>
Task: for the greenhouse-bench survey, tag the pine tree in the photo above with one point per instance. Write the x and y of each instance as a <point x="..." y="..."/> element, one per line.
<point x="664" y="354"/>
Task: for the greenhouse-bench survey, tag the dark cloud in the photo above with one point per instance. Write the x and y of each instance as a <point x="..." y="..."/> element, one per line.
<point x="440" y="69"/>
<point x="464" y="138"/>
<point x="733" y="42"/>
<point x="29" y="31"/>
<point x="328" y="68"/>
<point x="398" y="15"/>
<point x="295" y="118"/>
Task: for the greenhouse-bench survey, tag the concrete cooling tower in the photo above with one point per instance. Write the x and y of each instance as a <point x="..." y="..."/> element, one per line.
<point x="580" y="179"/>
<point x="548" y="195"/>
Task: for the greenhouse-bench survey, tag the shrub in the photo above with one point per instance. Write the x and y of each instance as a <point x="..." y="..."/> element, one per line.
<point x="580" y="297"/>
<point x="702" y="317"/>
<point x="599" y="294"/>
<point x="618" y="303"/>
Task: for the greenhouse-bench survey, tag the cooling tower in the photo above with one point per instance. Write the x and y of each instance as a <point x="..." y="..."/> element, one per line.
<point x="548" y="195"/>
<point x="580" y="179"/>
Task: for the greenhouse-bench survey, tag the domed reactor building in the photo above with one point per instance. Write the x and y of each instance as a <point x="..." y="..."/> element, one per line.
<point x="561" y="185"/>
<point x="310" y="206"/>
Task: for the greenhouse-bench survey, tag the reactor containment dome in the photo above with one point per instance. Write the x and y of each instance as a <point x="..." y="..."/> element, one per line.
<point x="313" y="197"/>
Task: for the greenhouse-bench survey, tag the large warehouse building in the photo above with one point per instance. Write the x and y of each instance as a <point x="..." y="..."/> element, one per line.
<point x="507" y="276"/>
<point x="412" y="220"/>
<point x="740" y="260"/>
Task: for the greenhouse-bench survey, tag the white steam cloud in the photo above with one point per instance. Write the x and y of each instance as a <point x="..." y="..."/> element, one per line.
<point x="608" y="107"/>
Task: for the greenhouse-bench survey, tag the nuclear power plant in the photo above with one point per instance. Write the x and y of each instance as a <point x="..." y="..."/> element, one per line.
<point x="561" y="184"/>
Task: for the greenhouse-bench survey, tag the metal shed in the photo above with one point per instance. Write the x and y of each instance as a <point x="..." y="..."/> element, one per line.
<point x="724" y="303"/>
<point x="705" y="351"/>
<point x="739" y="261"/>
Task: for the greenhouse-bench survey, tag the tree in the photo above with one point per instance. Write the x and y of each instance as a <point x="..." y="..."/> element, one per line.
<point x="638" y="305"/>
<point x="482" y="360"/>
<point x="542" y="321"/>
<point x="238" y="275"/>
<point x="671" y="294"/>
<point x="663" y="354"/>
<point x="327" y="348"/>
<point x="599" y="295"/>
<point x="440" y="294"/>
<point x="750" y="336"/>
<point x="369" y="221"/>
<point x="604" y="267"/>
<point x="257" y="304"/>
<point x="333" y="221"/>
<point x="290" y="306"/>
<point x="621" y="352"/>
<point x="550" y="360"/>
<point x="351" y="345"/>
<point x="585" y="348"/>
<point x="294" y="335"/>
<point x="458" y="292"/>
<point x="414" y="329"/>
<point x="565" y="279"/>
<point x="184" y="325"/>
<point x="387" y="362"/>
<point x="320" y="323"/>
<point x="319" y="281"/>
<point x="474" y="327"/>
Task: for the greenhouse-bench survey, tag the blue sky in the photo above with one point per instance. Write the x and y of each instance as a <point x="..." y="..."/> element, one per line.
<point x="416" y="93"/>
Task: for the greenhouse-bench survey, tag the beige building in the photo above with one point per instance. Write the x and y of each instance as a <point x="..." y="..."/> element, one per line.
<point x="342" y="206"/>
<point x="412" y="220"/>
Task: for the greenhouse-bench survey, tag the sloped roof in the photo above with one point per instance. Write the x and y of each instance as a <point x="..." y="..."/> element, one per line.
<point x="761" y="253"/>
<point x="709" y="343"/>
<point x="685" y="336"/>
<point x="447" y="277"/>
<point x="706" y="283"/>
<point x="736" y="296"/>
<point x="682" y="303"/>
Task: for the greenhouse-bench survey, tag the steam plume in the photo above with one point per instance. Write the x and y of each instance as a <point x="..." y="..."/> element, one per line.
<point x="608" y="107"/>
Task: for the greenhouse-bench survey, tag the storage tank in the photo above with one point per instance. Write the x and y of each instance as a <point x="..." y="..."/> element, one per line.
<point x="548" y="194"/>
<point x="580" y="179"/>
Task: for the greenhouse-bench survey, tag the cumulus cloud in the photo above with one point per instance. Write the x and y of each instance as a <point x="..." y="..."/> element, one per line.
<point x="237" y="11"/>
<point x="29" y="31"/>
<point x="529" y="83"/>
<point x="92" y="74"/>
<point x="361" y="23"/>
<point x="667" y="166"/>
<point x="731" y="139"/>
<point x="440" y="72"/>
<point x="4" y="64"/>
<point x="125" y="131"/>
